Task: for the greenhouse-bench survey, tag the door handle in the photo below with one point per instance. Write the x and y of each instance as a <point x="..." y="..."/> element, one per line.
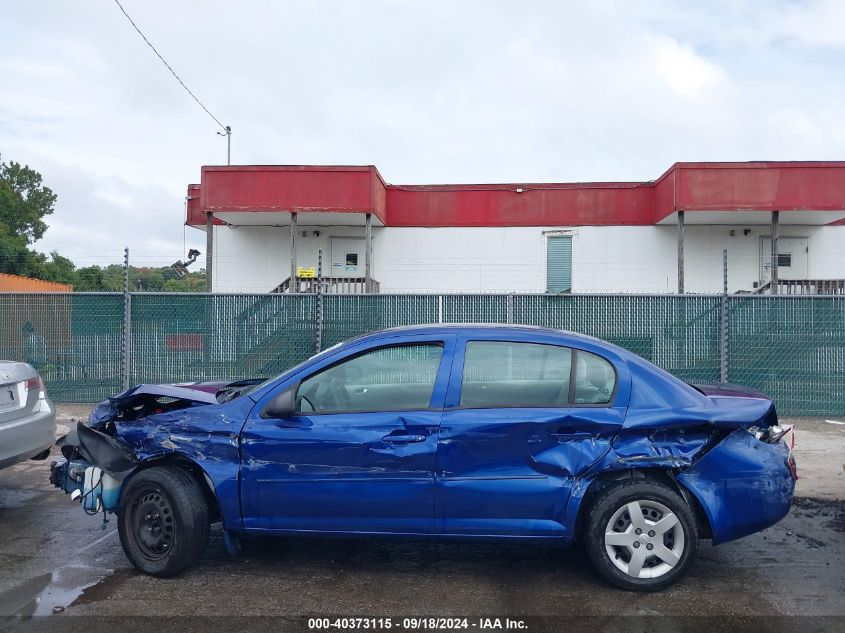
<point x="403" y="439"/>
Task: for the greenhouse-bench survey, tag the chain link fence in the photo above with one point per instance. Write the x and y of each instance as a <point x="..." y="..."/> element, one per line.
<point x="791" y="347"/>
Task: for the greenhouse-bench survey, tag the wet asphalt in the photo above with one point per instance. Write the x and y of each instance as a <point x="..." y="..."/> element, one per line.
<point x="55" y="559"/>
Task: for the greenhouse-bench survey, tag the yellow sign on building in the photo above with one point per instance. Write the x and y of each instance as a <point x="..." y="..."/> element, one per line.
<point x="306" y="273"/>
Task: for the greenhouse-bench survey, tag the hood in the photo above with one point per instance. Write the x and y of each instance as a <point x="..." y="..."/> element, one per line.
<point x="143" y="400"/>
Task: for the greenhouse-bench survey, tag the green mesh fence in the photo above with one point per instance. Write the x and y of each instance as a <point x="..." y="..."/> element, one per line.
<point x="679" y="334"/>
<point x="197" y="337"/>
<point x="348" y="316"/>
<point x="792" y="348"/>
<point x="74" y="340"/>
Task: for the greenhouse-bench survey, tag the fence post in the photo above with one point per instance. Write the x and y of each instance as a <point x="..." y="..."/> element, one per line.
<point x="509" y="309"/>
<point x="319" y="307"/>
<point x="724" y="333"/>
<point x="440" y="308"/>
<point x="126" y="347"/>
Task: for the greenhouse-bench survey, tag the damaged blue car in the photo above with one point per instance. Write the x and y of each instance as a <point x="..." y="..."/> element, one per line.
<point x="460" y="432"/>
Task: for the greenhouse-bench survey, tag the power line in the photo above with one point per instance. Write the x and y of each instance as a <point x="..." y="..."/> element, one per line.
<point x="226" y="129"/>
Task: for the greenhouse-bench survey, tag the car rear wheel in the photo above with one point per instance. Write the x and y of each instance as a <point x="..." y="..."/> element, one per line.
<point x="641" y="535"/>
<point x="163" y="521"/>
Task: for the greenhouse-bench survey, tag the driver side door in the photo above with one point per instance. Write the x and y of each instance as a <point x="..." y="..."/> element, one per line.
<point x="357" y="454"/>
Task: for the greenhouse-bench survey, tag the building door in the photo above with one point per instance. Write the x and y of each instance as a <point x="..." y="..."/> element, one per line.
<point x="559" y="263"/>
<point x="793" y="256"/>
<point x="347" y="257"/>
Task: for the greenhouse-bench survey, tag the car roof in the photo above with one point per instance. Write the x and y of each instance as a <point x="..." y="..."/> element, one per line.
<point x="490" y="328"/>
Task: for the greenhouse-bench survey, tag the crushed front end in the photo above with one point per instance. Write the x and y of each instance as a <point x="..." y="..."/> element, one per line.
<point x="92" y="469"/>
<point x="197" y="423"/>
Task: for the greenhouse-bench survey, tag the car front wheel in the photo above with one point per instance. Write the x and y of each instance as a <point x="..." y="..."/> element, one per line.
<point x="163" y="521"/>
<point x="641" y="535"/>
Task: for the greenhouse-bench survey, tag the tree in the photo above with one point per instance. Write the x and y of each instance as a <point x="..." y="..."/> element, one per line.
<point x="59" y="269"/>
<point x="24" y="202"/>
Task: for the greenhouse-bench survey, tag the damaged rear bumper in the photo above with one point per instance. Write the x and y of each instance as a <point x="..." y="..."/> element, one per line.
<point x="743" y="484"/>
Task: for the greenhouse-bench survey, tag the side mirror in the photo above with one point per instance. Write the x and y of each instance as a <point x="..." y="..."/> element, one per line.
<point x="283" y="405"/>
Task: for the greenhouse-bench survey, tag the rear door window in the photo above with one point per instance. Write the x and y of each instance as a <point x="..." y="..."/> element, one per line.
<point x="595" y="379"/>
<point x="512" y="374"/>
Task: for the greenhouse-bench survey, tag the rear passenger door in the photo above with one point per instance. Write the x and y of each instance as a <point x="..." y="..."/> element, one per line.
<point x="522" y="417"/>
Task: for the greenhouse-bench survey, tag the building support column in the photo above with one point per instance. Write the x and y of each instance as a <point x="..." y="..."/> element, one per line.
<point x="680" y="252"/>
<point x="209" y="250"/>
<point x="774" y="268"/>
<point x="368" y="253"/>
<point x="294" y="282"/>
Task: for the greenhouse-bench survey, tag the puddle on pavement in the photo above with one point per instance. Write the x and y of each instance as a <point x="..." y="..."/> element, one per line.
<point x="55" y="592"/>
<point x="17" y="498"/>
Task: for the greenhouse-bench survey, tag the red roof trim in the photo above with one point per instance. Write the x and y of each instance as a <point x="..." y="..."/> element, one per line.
<point x="755" y="186"/>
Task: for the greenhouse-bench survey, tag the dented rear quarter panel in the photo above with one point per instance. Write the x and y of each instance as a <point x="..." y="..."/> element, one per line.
<point x="743" y="484"/>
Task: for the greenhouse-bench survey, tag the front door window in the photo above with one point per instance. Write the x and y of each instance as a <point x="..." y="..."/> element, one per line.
<point x="388" y="379"/>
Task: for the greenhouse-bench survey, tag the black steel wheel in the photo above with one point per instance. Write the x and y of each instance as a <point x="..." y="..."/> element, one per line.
<point x="163" y="521"/>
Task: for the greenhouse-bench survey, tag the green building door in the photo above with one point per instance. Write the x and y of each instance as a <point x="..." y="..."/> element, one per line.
<point x="559" y="263"/>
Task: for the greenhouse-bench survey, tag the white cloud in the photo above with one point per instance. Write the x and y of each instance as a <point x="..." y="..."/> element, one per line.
<point x="688" y="73"/>
<point x="819" y="23"/>
<point x="442" y="91"/>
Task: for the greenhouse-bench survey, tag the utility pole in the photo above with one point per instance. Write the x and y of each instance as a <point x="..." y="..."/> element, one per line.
<point x="126" y="352"/>
<point x="228" y="135"/>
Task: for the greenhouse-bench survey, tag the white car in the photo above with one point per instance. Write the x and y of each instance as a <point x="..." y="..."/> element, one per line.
<point x="27" y="417"/>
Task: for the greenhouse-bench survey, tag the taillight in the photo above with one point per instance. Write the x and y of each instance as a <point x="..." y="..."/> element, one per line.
<point x="793" y="467"/>
<point x="36" y="384"/>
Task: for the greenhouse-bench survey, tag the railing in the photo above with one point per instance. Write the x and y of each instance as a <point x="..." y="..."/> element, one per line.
<point x="804" y="287"/>
<point x="330" y="285"/>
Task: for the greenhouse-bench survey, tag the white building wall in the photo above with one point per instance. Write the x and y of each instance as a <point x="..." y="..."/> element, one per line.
<point x="257" y="258"/>
<point x="513" y="259"/>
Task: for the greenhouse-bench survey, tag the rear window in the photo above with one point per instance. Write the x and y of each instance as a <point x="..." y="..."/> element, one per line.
<point x="510" y="374"/>
<point x="595" y="379"/>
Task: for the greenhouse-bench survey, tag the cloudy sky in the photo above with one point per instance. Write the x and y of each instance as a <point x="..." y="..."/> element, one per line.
<point x="429" y="91"/>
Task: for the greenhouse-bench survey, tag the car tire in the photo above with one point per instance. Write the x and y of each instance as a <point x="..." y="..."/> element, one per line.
<point x="626" y="550"/>
<point x="163" y="521"/>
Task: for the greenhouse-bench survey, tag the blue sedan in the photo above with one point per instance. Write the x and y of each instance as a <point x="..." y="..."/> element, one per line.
<point x="464" y="431"/>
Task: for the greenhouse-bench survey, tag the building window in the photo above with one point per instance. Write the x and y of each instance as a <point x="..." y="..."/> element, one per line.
<point x="784" y="260"/>
<point x="352" y="259"/>
<point x="559" y="263"/>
